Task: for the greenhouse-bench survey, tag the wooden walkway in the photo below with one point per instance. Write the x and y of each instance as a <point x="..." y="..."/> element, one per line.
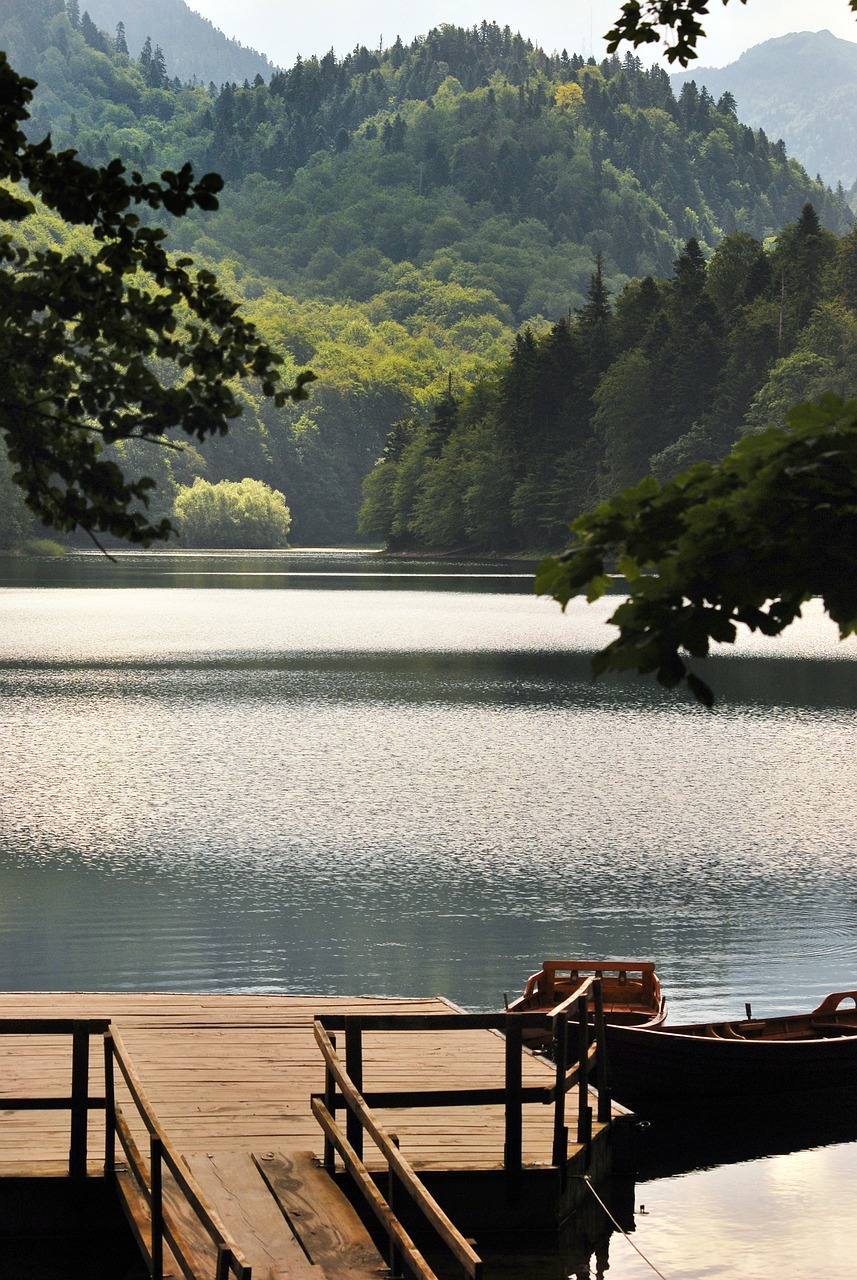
<point x="230" y="1079"/>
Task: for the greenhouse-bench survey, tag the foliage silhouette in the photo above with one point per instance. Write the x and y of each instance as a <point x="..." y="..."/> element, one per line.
<point x="85" y="329"/>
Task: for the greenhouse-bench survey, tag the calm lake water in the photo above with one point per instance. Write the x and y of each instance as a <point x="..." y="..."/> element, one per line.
<point x="314" y="772"/>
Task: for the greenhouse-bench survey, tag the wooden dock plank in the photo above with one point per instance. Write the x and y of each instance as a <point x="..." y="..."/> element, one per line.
<point x="252" y="1216"/>
<point x="230" y="1079"/>
<point x="231" y="1072"/>
<point x="328" y="1227"/>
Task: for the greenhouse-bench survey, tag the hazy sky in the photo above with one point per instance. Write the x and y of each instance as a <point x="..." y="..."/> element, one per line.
<point x="282" y="31"/>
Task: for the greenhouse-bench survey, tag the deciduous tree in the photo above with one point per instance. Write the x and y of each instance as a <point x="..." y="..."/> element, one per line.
<point x="85" y="333"/>
<point x="233" y="513"/>
<point x="746" y="541"/>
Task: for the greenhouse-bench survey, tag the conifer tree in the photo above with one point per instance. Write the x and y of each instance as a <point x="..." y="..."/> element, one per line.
<point x="594" y="330"/>
<point x="146" y="57"/>
<point x="156" y="72"/>
<point x="90" y="32"/>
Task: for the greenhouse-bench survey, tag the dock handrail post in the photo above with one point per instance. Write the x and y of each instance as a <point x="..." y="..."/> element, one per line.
<point x="225" y="1258"/>
<point x="109" y="1107"/>
<point x="395" y="1256"/>
<point x="329" y="1160"/>
<point x="584" y="1111"/>
<point x="560" y="1128"/>
<point x="602" y="1078"/>
<point x="354" y="1069"/>
<point x="513" y="1151"/>
<point x="79" y="1099"/>
<point x="157" y="1178"/>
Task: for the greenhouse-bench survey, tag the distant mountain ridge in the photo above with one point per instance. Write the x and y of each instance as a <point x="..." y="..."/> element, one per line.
<point x="801" y="88"/>
<point x="193" y="47"/>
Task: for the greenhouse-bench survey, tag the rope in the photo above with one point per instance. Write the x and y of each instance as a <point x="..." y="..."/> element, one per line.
<point x="621" y="1229"/>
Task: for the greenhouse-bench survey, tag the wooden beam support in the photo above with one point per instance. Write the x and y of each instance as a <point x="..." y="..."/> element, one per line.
<point x="79" y="1099"/>
<point x="513" y="1148"/>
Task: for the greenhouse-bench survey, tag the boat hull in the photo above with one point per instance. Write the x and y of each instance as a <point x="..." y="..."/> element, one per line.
<point x="723" y="1069"/>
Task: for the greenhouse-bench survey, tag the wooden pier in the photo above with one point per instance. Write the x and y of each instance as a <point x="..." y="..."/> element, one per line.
<point x="246" y="1102"/>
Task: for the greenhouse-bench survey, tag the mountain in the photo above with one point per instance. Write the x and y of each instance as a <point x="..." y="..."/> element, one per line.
<point x="392" y="218"/>
<point x="801" y="88"/>
<point x="193" y="47"/>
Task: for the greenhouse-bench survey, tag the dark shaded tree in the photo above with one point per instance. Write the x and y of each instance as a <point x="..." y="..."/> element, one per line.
<point x="83" y="337"/>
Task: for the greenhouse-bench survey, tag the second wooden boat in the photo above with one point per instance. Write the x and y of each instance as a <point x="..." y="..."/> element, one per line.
<point x="797" y="1065"/>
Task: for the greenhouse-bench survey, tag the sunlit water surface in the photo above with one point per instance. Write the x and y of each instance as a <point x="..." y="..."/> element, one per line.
<point x="328" y="773"/>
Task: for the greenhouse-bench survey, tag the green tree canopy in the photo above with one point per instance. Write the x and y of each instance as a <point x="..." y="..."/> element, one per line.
<point x="112" y="340"/>
<point x="233" y="513"/>
<point x="748" y="540"/>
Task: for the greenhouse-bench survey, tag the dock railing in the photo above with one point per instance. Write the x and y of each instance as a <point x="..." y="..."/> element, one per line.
<point x="79" y="1102"/>
<point x="344" y="1089"/>
<point x="401" y="1178"/>
<point x="149" y="1179"/>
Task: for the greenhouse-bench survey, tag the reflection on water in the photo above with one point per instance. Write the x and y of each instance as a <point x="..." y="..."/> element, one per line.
<point x="413" y="787"/>
<point x="665" y="1149"/>
<point x="409" y="792"/>
<point x="252" y="569"/>
<point x="787" y="1215"/>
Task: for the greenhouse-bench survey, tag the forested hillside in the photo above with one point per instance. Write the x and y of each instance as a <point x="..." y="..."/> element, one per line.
<point x="670" y="372"/>
<point x="392" y="219"/>
<point x="194" y="50"/>
<point x="800" y="87"/>
<point x="193" y="47"/>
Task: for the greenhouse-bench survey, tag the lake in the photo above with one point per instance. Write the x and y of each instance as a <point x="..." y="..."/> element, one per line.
<point x="335" y="772"/>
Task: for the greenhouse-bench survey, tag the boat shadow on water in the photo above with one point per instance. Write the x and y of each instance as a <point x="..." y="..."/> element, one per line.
<point x="665" y="1148"/>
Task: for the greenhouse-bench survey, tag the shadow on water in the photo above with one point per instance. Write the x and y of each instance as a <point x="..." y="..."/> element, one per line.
<point x="344" y="570"/>
<point x="669" y="1149"/>
<point x="579" y="1250"/>
<point x="606" y="1234"/>
<point x="532" y="678"/>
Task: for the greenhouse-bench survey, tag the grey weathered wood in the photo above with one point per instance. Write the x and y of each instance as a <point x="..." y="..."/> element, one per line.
<point x="559" y="1153"/>
<point x="433" y="1021"/>
<point x="228" y="1072"/>
<point x="49" y="1026"/>
<point x="329" y="1229"/>
<point x="425" y="1203"/>
<point x="251" y="1214"/>
<point x="354" y="1067"/>
<point x="330" y="1101"/>
<point x="417" y="1264"/>
<point x="602" y="1076"/>
<point x="156" y="1185"/>
<point x="109" y="1108"/>
<point x="187" y="1200"/>
<point x="584" y="1111"/>
<point x="409" y="1098"/>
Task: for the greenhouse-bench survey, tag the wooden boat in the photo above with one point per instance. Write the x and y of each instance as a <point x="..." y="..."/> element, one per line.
<point x="799" y="1065"/>
<point x="630" y="992"/>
